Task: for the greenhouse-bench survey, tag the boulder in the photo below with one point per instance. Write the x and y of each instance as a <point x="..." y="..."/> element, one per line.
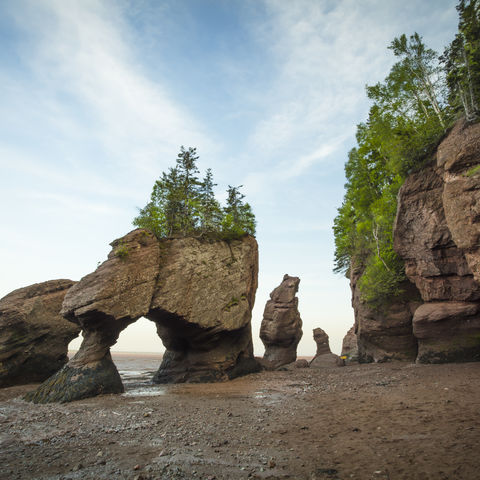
<point x="301" y="363"/>
<point x="435" y="324"/>
<point x="199" y="292"/>
<point x="34" y="337"/>
<point x="350" y="346"/>
<point x="281" y="328"/>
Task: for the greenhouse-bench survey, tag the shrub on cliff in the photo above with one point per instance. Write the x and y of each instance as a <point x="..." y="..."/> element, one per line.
<point x="182" y="204"/>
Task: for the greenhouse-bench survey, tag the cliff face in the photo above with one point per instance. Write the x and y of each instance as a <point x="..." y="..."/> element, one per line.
<point x="437" y="233"/>
<point x="34" y="337"/>
<point x="384" y="333"/>
<point x="200" y="294"/>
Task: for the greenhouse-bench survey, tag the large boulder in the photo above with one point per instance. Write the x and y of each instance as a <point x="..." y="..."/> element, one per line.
<point x="199" y="292"/>
<point x="281" y="328"/>
<point x="34" y="337"/>
<point x="437" y="233"/>
<point x="447" y="332"/>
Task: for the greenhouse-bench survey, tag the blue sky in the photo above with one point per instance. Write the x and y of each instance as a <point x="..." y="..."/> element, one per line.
<point x="97" y="97"/>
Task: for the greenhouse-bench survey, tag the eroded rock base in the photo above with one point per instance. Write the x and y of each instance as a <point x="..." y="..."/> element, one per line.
<point x="72" y="383"/>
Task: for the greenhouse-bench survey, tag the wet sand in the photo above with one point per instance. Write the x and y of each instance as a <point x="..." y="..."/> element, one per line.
<point x="378" y="421"/>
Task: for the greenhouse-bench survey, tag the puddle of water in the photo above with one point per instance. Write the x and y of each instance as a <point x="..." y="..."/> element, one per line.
<point x="145" y="391"/>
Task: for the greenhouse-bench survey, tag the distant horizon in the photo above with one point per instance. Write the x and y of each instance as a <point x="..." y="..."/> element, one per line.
<point x="157" y="354"/>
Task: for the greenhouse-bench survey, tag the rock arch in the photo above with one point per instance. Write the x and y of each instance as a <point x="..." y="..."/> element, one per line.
<point x="199" y="292"/>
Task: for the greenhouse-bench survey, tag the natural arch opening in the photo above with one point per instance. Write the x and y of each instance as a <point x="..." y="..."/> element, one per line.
<point x="138" y="353"/>
<point x="74" y="345"/>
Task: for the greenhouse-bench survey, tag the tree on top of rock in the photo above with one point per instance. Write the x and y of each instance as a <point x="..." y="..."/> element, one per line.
<point x="182" y="204"/>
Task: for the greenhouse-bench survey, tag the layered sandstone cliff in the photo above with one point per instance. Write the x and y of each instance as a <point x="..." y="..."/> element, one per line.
<point x="384" y="332"/>
<point x="437" y="233"/>
<point x="34" y="337"/>
<point x="200" y="294"/>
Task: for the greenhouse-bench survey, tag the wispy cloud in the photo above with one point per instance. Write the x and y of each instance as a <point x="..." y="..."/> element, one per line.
<point x="82" y="56"/>
<point x="325" y="53"/>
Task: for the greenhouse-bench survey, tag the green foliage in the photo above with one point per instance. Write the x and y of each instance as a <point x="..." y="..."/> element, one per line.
<point x="473" y="171"/>
<point x="182" y="204"/>
<point x="408" y="117"/>
<point x="121" y="251"/>
<point x="461" y="61"/>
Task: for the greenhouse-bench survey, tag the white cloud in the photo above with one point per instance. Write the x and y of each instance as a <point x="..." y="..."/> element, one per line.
<point x="83" y="54"/>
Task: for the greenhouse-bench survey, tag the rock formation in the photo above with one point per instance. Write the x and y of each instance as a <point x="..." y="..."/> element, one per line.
<point x="350" y="346"/>
<point x="437" y="233"/>
<point x="324" y="357"/>
<point x="34" y="337"/>
<point x="199" y="292"/>
<point x="281" y="328"/>
<point x="385" y="333"/>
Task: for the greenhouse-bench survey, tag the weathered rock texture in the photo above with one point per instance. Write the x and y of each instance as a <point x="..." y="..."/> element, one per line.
<point x="281" y="328"/>
<point x="385" y="333"/>
<point x="199" y="292"/>
<point x="322" y="341"/>
<point x="437" y="233"/>
<point x="323" y="357"/>
<point x="34" y="337"/>
<point x="350" y="346"/>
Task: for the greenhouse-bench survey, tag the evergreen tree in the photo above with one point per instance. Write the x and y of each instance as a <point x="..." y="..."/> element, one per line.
<point x="188" y="185"/>
<point x="461" y="61"/>
<point x="210" y="211"/>
<point x="238" y="217"/>
<point x="181" y="204"/>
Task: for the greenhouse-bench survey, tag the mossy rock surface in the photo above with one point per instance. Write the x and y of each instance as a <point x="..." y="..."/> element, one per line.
<point x="71" y="383"/>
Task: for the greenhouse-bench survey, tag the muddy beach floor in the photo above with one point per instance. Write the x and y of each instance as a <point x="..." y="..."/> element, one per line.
<point x="378" y="421"/>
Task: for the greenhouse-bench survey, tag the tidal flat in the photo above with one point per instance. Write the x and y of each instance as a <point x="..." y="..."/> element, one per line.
<point x="375" y="421"/>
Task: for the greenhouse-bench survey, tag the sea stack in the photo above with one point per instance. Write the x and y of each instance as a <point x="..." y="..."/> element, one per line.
<point x="324" y="356"/>
<point x="281" y="328"/>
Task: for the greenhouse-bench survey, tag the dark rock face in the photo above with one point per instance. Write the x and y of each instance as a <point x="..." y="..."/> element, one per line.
<point x="200" y="294"/>
<point x="281" y="328"/>
<point x="437" y="233"/>
<point x="34" y="337"/>
<point x="385" y="333"/>
<point x="350" y="346"/>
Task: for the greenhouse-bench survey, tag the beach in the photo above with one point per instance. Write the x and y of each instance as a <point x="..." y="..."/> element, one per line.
<point x="376" y="421"/>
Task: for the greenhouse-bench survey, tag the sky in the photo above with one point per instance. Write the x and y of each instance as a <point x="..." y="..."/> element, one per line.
<point x="97" y="96"/>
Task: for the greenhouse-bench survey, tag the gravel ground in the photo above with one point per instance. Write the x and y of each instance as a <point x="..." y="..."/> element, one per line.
<point x="378" y="421"/>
